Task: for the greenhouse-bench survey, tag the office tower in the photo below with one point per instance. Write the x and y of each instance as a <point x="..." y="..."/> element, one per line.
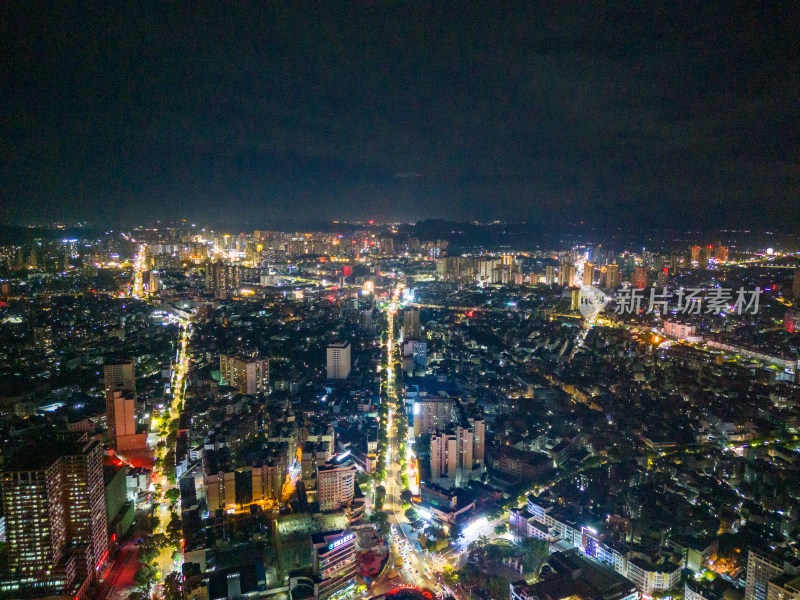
<point x="721" y="253"/>
<point x="247" y="374"/>
<point x="433" y="412"/>
<point x="796" y="284"/>
<point x="613" y="277"/>
<point x="118" y="377"/>
<point x="639" y="279"/>
<point x="56" y="527"/>
<point x="549" y="275"/>
<point x="411" y="327"/>
<point x="338" y="360"/>
<point x="333" y="562"/>
<point x="588" y="273"/>
<point x="761" y="569"/>
<point x="336" y="482"/>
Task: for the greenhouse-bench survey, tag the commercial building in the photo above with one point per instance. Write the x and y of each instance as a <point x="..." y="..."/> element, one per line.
<point x="57" y="538"/>
<point x="338" y="355"/>
<point x="247" y="374"/>
<point x="333" y="562"/>
<point x="337" y="488"/>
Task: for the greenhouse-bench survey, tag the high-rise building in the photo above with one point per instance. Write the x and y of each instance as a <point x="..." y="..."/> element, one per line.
<point x="336" y="483"/>
<point x="415" y="355"/>
<point x="613" y="277"/>
<point x="566" y="274"/>
<point x="43" y="338"/>
<point x="457" y="454"/>
<point x="761" y="569"/>
<point x="411" y="326"/>
<point x="386" y="245"/>
<point x="549" y="275"/>
<point x="796" y="284"/>
<point x="433" y="412"/>
<point x="588" y="273"/>
<point x="784" y="587"/>
<point x="706" y="252"/>
<point x="52" y="491"/>
<point x="222" y="277"/>
<point x="121" y="410"/>
<point x="639" y="279"/>
<point x="338" y="360"/>
<point x="247" y="374"/>
<point x="333" y="562"/>
<point x="118" y="377"/>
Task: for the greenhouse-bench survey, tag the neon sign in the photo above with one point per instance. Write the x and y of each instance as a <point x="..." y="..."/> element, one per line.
<point x="342" y="540"/>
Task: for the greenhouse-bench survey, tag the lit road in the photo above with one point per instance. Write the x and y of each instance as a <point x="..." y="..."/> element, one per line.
<point x="139" y="267"/>
<point x="119" y="580"/>
<point x="161" y="506"/>
<point x="402" y="540"/>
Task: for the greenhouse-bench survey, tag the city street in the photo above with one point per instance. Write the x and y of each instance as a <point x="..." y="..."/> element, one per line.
<point x="119" y="578"/>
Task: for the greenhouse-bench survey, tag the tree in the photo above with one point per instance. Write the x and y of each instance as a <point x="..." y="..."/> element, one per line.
<point x="380" y="497"/>
<point x="172" y="586"/>
<point x="406" y="496"/>
<point x="381" y="519"/>
<point x="500" y="529"/>
<point x="173" y="495"/>
<point x="536" y="554"/>
<point x="411" y="514"/>
<point x="175" y="529"/>
<point x="143" y="578"/>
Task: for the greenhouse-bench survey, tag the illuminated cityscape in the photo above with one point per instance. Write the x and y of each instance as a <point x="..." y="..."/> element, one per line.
<point x="401" y="300"/>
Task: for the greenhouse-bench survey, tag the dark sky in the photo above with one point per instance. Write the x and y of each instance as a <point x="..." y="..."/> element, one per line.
<point x="635" y="114"/>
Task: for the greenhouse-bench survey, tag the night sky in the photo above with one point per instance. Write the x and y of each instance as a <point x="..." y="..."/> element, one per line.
<point x="637" y="115"/>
